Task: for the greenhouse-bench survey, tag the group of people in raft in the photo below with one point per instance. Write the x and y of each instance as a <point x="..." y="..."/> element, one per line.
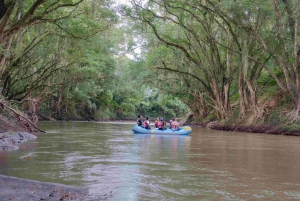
<point x="159" y="123"/>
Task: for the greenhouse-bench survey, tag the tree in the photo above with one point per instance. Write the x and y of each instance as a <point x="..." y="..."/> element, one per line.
<point x="279" y="38"/>
<point x="16" y="15"/>
<point x="195" y="33"/>
<point x="56" y="50"/>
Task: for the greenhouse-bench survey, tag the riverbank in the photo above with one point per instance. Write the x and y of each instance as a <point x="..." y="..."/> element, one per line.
<point x="12" y="133"/>
<point x="290" y="130"/>
<point x="10" y="140"/>
<point x="12" y="188"/>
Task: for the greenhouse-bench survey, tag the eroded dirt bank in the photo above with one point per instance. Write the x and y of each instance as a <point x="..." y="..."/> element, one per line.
<point x="12" y="133"/>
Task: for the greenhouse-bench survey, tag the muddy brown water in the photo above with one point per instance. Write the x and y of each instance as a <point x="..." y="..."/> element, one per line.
<point x="115" y="164"/>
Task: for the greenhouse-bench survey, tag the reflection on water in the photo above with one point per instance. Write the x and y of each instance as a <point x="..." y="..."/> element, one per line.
<point x="115" y="164"/>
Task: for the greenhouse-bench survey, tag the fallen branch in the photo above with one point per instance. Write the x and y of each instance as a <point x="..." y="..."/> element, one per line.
<point x="2" y="103"/>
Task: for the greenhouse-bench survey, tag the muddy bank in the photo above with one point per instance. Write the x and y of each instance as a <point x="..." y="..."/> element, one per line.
<point x="268" y="129"/>
<point x="10" y="140"/>
<point x="12" y="188"/>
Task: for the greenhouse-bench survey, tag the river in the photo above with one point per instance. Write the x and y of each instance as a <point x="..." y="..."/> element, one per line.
<point x="115" y="164"/>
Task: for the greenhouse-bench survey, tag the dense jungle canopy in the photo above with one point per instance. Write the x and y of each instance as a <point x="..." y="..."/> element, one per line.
<point x="226" y="60"/>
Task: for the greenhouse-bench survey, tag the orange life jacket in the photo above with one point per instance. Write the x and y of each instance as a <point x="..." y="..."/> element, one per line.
<point x="159" y="124"/>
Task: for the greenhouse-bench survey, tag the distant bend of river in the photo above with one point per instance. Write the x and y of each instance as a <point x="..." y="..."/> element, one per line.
<point x="115" y="164"/>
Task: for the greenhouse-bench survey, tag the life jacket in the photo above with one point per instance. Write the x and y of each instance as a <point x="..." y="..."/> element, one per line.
<point x="146" y="123"/>
<point x="139" y="122"/>
<point x="174" y="125"/>
<point x="159" y="124"/>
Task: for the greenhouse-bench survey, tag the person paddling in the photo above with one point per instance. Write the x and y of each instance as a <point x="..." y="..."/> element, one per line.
<point x="161" y="124"/>
<point x="147" y="123"/>
<point x="156" y="123"/>
<point x="175" y="124"/>
<point x="171" y="121"/>
<point x="139" y="121"/>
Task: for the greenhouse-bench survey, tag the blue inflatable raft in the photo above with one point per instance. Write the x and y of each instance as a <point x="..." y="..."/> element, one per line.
<point x="185" y="130"/>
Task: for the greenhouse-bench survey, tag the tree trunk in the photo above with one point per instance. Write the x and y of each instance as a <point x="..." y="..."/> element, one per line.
<point x="220" y="101"/>
<point x="243" y="105"/>
<point x="258" y="112"/>
<point x="294" y="115"/>
<point x="204" y="108"/>
<point x="4" y="56"/>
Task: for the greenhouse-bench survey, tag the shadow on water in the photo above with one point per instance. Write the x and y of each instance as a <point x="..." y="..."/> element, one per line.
<point x="115" y="164"/>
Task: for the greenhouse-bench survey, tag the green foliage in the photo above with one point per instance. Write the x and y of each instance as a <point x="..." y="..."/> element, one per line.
<point x="215" y="54"/>
<point x="211" y="117"/>
<point x="195" y="56"/>
<point x="266" y="80"/>
<point x="291" y="127"/>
